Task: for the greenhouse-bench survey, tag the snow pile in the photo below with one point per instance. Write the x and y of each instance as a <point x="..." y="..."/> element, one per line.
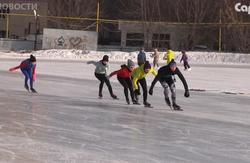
<point x="215" y="57"/>
<point x="194" y="57"/>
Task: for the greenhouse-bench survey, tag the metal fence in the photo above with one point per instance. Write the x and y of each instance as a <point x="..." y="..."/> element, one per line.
<point x="197" y="35"/>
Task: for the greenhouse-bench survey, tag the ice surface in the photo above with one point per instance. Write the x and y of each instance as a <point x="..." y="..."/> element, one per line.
<point x="66" y="122"/>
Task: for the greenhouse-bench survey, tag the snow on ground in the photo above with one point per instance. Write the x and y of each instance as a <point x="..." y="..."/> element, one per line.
<point x="195" y="57"/>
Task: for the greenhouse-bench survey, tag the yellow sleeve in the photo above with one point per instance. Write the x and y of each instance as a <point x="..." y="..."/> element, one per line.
<point x="154" y="72"/>
<point x="135" y="86"/>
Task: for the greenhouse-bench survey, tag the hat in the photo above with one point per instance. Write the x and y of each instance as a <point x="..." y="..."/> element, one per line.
<point x="130" y="63"/>
<point x="105" y="58"/>
<point x="32" y="58"/>
<point x="147" y="65"/>
<point x="172" y="63"/>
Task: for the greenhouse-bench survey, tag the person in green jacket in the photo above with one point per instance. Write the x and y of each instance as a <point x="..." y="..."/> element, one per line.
<point x="101" y="74"/>
<point x="138" y="77"/>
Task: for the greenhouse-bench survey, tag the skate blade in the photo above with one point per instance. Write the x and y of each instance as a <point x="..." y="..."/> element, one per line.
<point x="148" y="106"/>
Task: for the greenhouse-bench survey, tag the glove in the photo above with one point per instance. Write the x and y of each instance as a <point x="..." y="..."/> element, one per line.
<point x="11" y="69"/>
<point x="137" y="92"/>
<point x="150" y="91"/>
<point x="186" y="94"/>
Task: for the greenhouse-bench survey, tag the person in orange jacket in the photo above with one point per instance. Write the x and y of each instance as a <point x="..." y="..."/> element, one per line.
<point x="28" y="68"/>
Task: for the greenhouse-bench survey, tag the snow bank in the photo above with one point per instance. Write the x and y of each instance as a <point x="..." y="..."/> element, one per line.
<point x="118" y="56"/>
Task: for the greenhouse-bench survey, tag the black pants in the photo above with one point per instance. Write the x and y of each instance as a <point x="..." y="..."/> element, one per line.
<point x="127" y="85"/>
<point x="186" y="65"/>
<point x="104" y="79"/>
<point x="143" y="84"/>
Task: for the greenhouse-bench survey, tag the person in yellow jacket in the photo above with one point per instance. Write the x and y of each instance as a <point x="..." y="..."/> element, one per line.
<point x="138" y="77"/>
<point x="169" y="55"/>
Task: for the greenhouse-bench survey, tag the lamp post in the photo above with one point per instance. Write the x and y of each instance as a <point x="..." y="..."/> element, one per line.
<point x="220" y="33"/>
<point x="97" y="16"/>
<point x="36" y="31"/>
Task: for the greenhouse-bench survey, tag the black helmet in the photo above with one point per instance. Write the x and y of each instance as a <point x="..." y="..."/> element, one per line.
<point x="172" y="63"/>
<point x="147" y="65"/>
<point x="32" y="58"/>
<point x="105" y="58"/>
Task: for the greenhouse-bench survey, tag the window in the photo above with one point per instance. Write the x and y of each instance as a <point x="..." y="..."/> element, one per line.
<point x="160" y="40"/>
<point x="2" y="34"/>
<point x="135" y="39"/>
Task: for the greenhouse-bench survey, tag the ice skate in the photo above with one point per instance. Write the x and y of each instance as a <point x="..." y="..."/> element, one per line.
<point x="33" y="90"/>
<point x="128" y="102"/>
<point x="177" y="107"/>
<point x="168" y="102"/>
<point x="27" y="87"/>
<point x="114" y="97"/>
<point x="136" y="103"/>
<point x="100" y="96"/>
<point x="147" y="105"/>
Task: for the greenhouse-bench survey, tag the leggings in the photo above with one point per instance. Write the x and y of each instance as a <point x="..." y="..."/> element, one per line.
<point x="127" y="85"/>
<point x="171" y="85"/>
<point x="28" y="76"/>
<point x="104" y="79"/>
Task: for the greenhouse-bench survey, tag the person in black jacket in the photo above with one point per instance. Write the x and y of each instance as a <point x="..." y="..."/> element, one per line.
<point x="165" y="76"/>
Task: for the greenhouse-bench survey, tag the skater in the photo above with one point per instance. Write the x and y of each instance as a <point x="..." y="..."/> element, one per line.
<point x="164" y="75"/>
<point x="184" y="58"/>
<point x="124" y="77"/>
<point x="28" y="68"/>
<point x="141" y="58"/>
<point x="169" y="55"/>
<point x="101" y="75"/>
<point x="156" y="56"/>
<point x="138" y="77"/>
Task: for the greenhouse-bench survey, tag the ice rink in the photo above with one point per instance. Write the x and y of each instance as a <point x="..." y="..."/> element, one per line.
<point x="66" y="122"/>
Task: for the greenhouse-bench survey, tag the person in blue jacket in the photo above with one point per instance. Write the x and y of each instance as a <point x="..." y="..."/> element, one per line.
<point x="28" y="68"/>
<point x="141" y="57"/>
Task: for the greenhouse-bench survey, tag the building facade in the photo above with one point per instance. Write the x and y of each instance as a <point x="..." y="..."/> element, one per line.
<point x="153" y="35"/>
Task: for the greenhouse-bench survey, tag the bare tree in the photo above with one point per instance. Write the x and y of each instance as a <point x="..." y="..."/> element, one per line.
<point x="236" y="36"/>
<point x="72" y="8"/>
